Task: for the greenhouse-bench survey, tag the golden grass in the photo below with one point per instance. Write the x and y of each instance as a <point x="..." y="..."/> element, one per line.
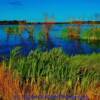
<point x="10" y="87"/>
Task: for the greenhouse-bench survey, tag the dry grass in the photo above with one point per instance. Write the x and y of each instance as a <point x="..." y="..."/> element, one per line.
<point x="10" y="86"/>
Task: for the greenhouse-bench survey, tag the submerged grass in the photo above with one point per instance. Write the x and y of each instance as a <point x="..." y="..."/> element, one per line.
<point x="92" y="33"/>
<point x="50" y="73"/>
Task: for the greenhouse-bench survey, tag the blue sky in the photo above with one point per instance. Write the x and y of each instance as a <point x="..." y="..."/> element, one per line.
<point x="59" y="10"/>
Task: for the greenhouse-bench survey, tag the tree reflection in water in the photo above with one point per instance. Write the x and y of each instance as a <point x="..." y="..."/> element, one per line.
<point x="44" y="40"/>
<point x="30" y="30"/>
<point x="14" y="30"/>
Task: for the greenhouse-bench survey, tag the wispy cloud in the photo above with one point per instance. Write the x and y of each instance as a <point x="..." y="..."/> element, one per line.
<point x="15" y="3"/>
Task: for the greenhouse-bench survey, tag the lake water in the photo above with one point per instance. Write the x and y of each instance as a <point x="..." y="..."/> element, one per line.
<point x="69" y="46"/>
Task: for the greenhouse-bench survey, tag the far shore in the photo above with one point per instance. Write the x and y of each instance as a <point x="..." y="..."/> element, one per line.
<point x="48" y="22"/>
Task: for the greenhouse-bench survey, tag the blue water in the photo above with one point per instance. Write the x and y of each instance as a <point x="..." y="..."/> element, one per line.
<point x="69" y="46"/>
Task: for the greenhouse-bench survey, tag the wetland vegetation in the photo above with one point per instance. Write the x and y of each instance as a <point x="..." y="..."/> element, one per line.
<point x="51" y="71"/>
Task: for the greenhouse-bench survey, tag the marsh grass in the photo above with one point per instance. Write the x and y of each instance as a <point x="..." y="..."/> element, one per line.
<point x="50" y="73"/>
<point x="92" y="34"/>
<point x="70" y="32"/>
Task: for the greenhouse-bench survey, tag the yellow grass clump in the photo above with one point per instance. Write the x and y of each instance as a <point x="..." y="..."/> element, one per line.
<point x="11" y="88"/>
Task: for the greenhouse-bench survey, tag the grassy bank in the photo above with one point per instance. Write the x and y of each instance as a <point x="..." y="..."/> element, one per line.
<point x="50" y="73"/>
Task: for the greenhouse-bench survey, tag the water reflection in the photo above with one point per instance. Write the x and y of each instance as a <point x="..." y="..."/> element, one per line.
<point x="93" y="45"/>
<point x="34" y="36"/>
<point x="44" y="39"/>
